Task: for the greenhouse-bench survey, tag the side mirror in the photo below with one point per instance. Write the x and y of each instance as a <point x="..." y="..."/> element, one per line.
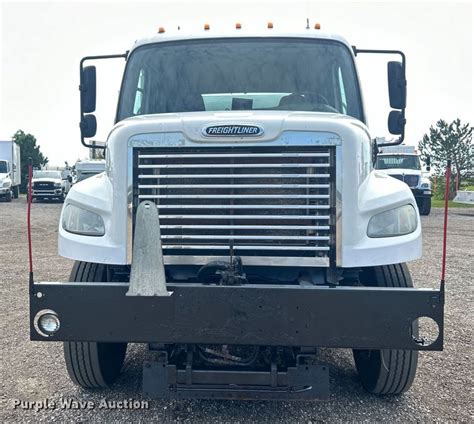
<point x="88" y="126"/>
<point x="397" y="85"/>
<point x="88" y="89"/>
<point x="428" y="163"/>
<point x="396" y="122"/>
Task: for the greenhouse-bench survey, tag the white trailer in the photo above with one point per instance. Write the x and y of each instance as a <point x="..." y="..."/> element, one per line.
<point x="10" y="170"/>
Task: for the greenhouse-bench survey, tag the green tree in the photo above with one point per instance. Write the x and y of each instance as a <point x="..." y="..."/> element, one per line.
<point x="28" y="149"/>
<point x="449" y="141"/>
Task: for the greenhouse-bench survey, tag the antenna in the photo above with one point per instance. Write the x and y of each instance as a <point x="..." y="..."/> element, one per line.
<point x="307" y="23"/>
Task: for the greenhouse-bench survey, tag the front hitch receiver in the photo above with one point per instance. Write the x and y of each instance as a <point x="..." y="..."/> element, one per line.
<point x="147" y="275"/>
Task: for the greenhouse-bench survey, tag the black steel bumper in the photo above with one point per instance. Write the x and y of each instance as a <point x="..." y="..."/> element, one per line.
<point x="340" y="317"/>
<point x="421" y="193"/>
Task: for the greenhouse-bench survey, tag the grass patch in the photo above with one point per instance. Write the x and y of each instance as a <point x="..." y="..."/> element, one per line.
<point x="438" y="203"/>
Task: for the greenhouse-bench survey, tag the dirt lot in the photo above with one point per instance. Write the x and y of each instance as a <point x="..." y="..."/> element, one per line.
<point x="36" y="372"/>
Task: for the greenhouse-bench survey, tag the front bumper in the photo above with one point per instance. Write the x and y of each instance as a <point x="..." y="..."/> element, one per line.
<point x="47" y="193"/>
<point x="315" y="316"/>
<point x="421" y="192"/>
<point x="4" y="191"/>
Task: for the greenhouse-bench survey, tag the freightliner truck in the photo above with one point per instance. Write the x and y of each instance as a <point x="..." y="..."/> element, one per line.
<point x="239" y="225"/>
<point x="403" y="163"/>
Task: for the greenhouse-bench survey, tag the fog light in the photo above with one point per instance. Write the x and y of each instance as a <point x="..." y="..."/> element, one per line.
<point x="46" y="322"/>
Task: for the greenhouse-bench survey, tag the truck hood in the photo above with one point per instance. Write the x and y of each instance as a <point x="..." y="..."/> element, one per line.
<point x="273" y="123"/>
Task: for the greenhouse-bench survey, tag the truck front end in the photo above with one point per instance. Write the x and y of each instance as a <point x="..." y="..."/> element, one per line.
<point x="239" y="227"/>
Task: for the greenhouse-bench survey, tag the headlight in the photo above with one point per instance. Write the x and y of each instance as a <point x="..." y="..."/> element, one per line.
<point x="80" y="221"/>
<point x="394" y="222"/>
<point x="425" y="185"/>
<point x="57" y="185"/>
<point x="6" y="183"/>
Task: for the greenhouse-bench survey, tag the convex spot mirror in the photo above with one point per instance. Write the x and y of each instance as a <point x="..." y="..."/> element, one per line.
<point x="396" y="122"/>
<point x="397" y="85"/>
<point x="88" y="89"/>
<point x="88" y="126"/>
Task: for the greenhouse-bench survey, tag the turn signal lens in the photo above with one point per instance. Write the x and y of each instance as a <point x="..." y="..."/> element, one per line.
<point x="161" y="30"/>
<point x="317" y="26"/>
<point x="238" y="25"/>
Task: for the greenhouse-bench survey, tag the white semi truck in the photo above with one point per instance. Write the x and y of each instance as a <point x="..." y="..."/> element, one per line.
<point x="403" y="163"/>
<point x="239" y="225"/>
<point x="87" y="168"/>
<point x="10" y="170"/>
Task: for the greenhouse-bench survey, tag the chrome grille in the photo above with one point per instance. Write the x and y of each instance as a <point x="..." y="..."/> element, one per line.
<point x="270" y="205"/>
<point x="410" y="180"/>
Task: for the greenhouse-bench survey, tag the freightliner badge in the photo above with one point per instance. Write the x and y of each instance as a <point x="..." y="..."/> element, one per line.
<point x="232" y="130"/>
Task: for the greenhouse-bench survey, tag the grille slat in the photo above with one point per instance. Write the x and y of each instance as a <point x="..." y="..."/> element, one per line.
<point x="265" y="202"/>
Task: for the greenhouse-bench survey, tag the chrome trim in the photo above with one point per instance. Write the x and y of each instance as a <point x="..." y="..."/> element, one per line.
<point x="248" y="227"/>
<point x="231" y="196"/>
<point x="244" y="206"/>
<point x="233" y="176"/>
<point x="253" y="217"/>
<point x="240" y="247"/>
<point x="338" y="205"/>
<point x="169" y="186"/>
<point x="238" y="165"/>
<point x="238" y="155"/>
<point x="248" y="260"/>
<point x="287" y="138"/>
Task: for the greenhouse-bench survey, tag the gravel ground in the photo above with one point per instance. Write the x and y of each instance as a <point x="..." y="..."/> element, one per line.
<point x="35" y="372"/>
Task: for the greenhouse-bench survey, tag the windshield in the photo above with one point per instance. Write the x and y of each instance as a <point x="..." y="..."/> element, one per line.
<point x="398" y="161"/>
<point x="47" y="174"/>
<point x="3" y="167"/>
<point x="240" y="74"/>
<point x="84" y="175"/>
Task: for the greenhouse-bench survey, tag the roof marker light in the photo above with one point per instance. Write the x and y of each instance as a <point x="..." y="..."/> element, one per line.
<point x="317" y="26"/>
<point x="270" y="25"/>
<point x="161" y="30"/>
<point x="238" y="25"/>
<point x="207" y="27"/>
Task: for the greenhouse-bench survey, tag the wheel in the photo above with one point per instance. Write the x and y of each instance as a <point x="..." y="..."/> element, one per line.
<point x="16" y="192"/>
<point x="425" y="206"/>
<point x="387" y="371"/>
<point x="93" y="365"/>
<point x="61" y="198"/>
<point x="8" y="196"/>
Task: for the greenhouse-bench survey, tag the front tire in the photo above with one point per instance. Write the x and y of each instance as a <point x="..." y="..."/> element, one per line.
<point x="16" y="192"/>
<point x="387" y="371"/>
<point x="93" y="365"/>
<point x="425" y="206"/>
<point x="8" y="196"/>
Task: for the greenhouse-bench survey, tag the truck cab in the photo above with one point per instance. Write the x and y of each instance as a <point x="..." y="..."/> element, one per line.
<point x="87" y="168"/>
<point x="403" y="163"/>
<point x="239" y="225"/>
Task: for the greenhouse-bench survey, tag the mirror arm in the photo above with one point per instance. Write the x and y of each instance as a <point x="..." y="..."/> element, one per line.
<point x="81" y="87"/>
<point x="399" y="52"/>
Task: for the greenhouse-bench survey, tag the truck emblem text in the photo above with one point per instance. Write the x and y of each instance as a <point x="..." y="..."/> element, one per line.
<point x="232" y="130"/>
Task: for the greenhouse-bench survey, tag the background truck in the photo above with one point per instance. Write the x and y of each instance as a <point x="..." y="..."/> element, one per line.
<point x="87" y="168"/>
<point x="239" y="225"/>
<point x="49" y="184"/>
<point x="403" y="163"/>
<point x="10" y="170"/>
